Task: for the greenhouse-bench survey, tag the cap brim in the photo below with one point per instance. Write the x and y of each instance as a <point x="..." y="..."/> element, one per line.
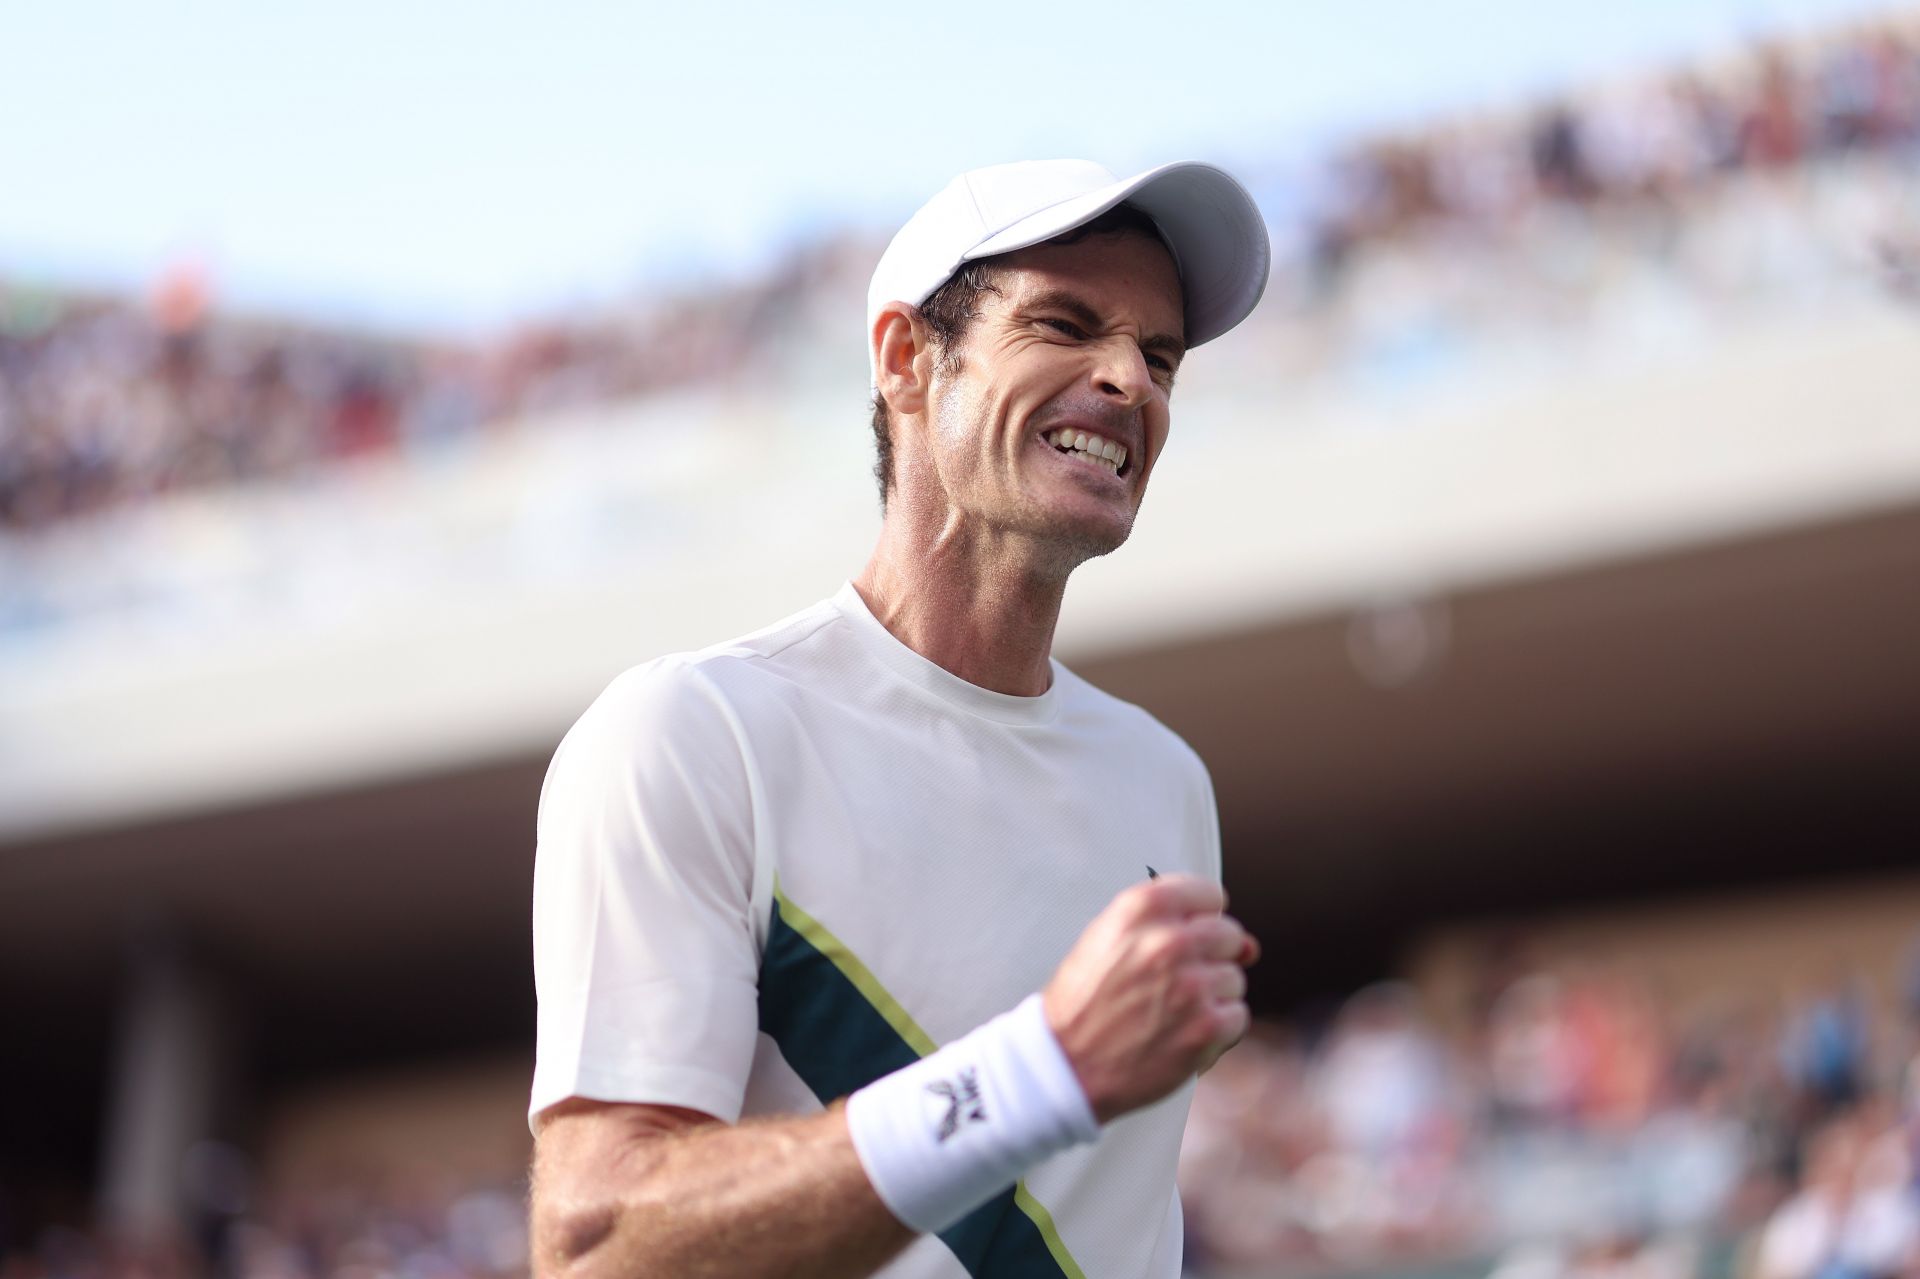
<point x="1218" y="238"/>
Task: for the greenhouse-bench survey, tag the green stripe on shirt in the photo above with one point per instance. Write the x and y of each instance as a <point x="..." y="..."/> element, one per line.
<point x="839" y="1029"/>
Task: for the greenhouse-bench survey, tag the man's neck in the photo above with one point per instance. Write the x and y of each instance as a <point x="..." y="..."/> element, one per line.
<point x="986" y="617"/>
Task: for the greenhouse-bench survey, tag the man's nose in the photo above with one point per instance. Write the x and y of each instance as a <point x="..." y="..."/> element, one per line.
<point x="1122" y="373"/>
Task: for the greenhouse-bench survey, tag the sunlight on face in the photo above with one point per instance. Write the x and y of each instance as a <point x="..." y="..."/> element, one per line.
<point x="1050" y="414"/>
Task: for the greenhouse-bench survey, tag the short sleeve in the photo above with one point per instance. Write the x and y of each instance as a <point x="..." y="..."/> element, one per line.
<point x="644" y="953"/>
<point x="1210" y="826"/>
<point x="1203" y="814"/>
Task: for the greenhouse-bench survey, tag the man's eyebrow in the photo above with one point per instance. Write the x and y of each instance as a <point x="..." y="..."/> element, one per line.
<point x="1087" y="317"/>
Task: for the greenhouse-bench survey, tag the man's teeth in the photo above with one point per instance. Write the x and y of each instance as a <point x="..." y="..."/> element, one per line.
<point x="1093" y="447"/>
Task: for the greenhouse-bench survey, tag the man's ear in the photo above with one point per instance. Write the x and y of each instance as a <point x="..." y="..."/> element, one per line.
<point x="902" y="359"/>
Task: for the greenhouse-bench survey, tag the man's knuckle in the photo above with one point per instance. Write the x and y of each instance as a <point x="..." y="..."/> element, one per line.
<point x="1150" y="897"/>
<point x="1197" y="1034"/>
<point x="1192" y="987"/>
<point x="1166" y="947"/>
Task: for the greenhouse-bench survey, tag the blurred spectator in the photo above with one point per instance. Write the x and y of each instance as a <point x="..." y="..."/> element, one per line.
<point x="1855" y="1215"/>
<point x="1382" y="1079"/>
<point x="1824" y="1048"/>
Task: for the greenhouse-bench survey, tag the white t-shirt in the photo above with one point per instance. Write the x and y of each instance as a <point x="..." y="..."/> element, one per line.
<point x="774" y="870"/>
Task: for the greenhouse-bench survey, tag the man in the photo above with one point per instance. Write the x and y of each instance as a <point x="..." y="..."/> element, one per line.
<point x="938" y="914"/>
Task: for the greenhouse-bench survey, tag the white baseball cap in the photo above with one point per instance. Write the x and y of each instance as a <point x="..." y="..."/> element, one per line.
<point x="1218" y="239"/>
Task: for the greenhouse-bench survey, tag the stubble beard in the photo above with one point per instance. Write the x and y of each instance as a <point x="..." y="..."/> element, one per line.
<point x="1068" y="548"/>
<point x="1057" y="545"/>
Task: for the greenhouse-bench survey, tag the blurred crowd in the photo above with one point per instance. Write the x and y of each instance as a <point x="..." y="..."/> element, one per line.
<point x="417" y="1226"/>
<point x="1647" y="142"/>
<point x="1571" y="1123"/>
<point x="104" y="400"/>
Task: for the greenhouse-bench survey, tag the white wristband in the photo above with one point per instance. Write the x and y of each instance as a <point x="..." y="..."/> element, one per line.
<point x="942" y="1136"/>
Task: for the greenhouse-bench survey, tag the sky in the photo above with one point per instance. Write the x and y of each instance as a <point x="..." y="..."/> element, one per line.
<point x="438" y="166"/>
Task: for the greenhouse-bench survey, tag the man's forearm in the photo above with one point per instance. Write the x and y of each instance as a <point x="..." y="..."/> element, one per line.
<point x="783" y="1197"/>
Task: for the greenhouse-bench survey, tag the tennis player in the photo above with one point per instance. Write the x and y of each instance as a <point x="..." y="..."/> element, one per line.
<point x="878" y="942"/>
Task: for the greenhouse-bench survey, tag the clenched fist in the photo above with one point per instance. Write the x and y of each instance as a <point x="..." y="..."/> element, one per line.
<point x="1152" y="993"/>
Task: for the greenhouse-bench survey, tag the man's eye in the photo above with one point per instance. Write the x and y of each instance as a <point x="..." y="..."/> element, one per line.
<point x="1067" y="327"/>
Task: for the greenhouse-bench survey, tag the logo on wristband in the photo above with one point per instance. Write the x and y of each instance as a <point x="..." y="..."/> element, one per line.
<point x="962" y="1096"/>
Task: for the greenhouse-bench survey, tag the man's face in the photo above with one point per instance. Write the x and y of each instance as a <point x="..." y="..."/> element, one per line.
<point x="1081" y="339"/>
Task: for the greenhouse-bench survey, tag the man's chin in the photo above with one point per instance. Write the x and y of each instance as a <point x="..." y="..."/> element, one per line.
<point x="1069" y="532"/>
<point x="1076" y="544"/>
<point x="1095" y="547"/>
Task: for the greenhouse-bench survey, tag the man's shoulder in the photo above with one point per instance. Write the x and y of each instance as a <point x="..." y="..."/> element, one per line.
<point x="769" y="643"/>
<point x="1093" y="709"/>
<point x="686" y="689"/>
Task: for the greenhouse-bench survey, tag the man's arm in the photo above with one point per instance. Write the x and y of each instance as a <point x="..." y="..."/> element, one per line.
<point x="1150" y="993"/>
<point x="624" y="1190"/>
